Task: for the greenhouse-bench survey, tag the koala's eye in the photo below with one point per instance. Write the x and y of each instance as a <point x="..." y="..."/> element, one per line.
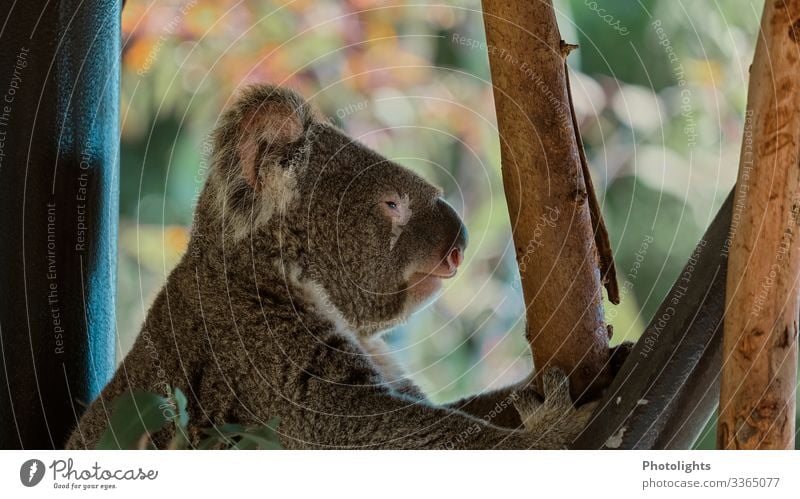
<point x="397" y="209"/>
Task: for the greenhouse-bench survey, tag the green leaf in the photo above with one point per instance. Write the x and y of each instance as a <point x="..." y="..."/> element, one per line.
<point x="273" y="423"/>
<point x="236" y="436"/>
<point x="249" y="441"/>
<point x="229" y="429"/>
<point x="220" y="437"/>
<point x="210" y="442"/>
<point x="134" y="415"/>
<point x="267" y="431"/>
<point x="182" y="419"/>
<point x="263" y="437"/>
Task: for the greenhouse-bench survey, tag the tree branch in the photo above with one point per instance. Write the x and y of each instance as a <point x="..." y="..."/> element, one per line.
<point x="759" y="375"/>
<point x="666" y="390"/>
<point x="553" y="211"/>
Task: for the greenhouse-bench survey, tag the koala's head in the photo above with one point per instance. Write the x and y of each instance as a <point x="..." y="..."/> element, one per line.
<point x="369" y="240"/>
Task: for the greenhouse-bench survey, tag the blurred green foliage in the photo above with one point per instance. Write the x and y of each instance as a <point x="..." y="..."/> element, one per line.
<point x="659" y="89"/>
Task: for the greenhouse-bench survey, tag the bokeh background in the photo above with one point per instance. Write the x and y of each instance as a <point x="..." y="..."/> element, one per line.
<point x="659" y="89"/>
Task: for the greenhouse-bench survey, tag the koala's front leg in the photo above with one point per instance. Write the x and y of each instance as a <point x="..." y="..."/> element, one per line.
<point x="497" y="406"/>
<point x="555" y="420"/>
<point x="358" y="417"/>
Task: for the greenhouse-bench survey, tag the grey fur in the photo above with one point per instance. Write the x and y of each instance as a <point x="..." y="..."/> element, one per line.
<point x="292" y="271"/>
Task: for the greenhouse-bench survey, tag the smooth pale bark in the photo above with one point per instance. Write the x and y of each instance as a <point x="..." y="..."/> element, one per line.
<point x="759" y="374"/>
<point x="548" y="200"/>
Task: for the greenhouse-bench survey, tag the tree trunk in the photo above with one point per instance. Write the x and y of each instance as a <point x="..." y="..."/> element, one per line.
<point x="550" y="207"/>
<point x="59" y="174"/>
<point x="759" y="375"/>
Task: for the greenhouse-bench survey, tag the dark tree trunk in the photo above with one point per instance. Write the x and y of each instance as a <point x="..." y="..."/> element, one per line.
<point x="667" y="389"/>
<point x="59" y="135"/>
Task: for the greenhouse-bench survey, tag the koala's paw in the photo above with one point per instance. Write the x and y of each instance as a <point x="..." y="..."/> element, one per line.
<point x="555" y="421"/>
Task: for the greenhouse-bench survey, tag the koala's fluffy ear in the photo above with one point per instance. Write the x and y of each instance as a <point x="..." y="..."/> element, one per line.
<point x="263" y="133"/>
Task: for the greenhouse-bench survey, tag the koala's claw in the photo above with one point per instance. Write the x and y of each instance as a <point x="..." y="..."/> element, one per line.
<point x="527" y="402"/>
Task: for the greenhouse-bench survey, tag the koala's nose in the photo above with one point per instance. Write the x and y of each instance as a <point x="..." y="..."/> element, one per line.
<point x="456" y="234"/>
<point x="455" y="257"/>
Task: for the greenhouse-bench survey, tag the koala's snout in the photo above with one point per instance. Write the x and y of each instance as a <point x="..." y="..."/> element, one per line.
<point x="455" y="237"/>
<point x="437" y="251"/>
<point x="454" y="257"/>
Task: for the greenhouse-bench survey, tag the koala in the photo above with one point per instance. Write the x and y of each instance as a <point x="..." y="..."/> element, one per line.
<point x="305" y="246"/>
